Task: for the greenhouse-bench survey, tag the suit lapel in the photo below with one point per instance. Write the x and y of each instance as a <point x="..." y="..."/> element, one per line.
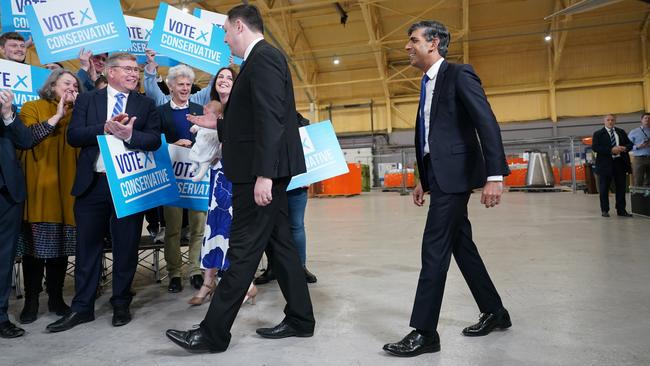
<point x="437" y="90"/>
<point x="131" y="104"/>
<point x="101" y="105"/>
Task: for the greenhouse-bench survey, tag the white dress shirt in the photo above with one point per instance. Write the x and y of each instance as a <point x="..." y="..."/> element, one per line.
<point x="99" y="163"/>
<point x="9" y="121"/>
<point x="176" y="106"/>
<point x="618" y="143"/>
<point x="250" y="47"/>
<point x="430" y="85"/>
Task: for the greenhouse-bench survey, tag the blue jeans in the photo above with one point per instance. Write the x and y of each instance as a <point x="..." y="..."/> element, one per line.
<point x="297" y="199"/>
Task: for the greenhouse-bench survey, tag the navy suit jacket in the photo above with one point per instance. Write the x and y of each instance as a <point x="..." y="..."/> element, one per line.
<point x="12" y="137"/>
<point x="88" y="119"/>
<point x="259" y="131"/>
<point x="602" y="145"/>
<point x="168" y="124"/>
<point x="460" y="116"/>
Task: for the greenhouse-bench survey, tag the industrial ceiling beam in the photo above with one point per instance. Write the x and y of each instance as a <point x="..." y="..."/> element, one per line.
<point x="306" y="70"/>
<point x="373" y="27"/>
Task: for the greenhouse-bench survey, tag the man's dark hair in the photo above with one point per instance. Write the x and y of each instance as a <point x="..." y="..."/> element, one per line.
<point x="248" y="14"/>
<point x="100" y="79"/>
<point x="10" y="35"/>
<point x="433" y="29"/>
<point x="645" y="114"/>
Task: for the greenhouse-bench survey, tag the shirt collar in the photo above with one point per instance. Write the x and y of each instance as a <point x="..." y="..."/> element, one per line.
<point x="112" y="92"/>
<point x="250" y="47"/>
<point x="176" y="106"/>
<point x="433" y="70"/>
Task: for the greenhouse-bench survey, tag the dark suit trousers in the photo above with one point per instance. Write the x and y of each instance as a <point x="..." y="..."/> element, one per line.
<point x="253" y="228"/>
<point x="95" y="216"/>
<point x="11" y="214"/>
<point x="448" y="231"/>
<point x="619" y="178"/>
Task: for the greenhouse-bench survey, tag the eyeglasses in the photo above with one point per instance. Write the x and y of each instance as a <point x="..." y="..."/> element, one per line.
<point x="129" y="69"/>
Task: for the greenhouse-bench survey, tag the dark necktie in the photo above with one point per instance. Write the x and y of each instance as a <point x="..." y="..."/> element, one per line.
<point x="421" y="116"/>
<point x="612" y="138"/>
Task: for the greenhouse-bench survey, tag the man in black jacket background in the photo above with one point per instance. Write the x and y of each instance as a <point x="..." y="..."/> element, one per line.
<point x="611" y="145"/>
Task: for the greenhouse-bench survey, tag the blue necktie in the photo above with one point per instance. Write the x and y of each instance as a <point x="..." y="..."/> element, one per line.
<point x="119" y="104"/>
<point x="612" y="138"/>
<point x="421" y="116"/>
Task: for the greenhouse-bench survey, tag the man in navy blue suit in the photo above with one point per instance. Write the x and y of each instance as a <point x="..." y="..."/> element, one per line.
<point x="13" y="135"/>
<point x="121" y="111"/>
<point x="453" y="116"/>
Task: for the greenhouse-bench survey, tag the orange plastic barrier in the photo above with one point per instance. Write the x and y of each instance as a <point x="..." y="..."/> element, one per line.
<point x="343" y="185"/>
<point x="516" y="178"/>
<point x="394" y="180"/>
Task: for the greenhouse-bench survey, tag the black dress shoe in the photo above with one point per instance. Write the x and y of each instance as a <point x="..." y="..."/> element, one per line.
<point x="414" y="344"/>
<point x="69" y="321"/>
<point x="175" y="285"/>
<point x="282" y="330"/>
<point x="310" y="276"/>
<point x="624" y="214"/>
<point x="196" y="281"/>
<point x="605" y="214"/>
<point x="10" y="330"/>
<point x="191" y="340"/>
<point x="121" y="316"/>
<point x="489" y="322"/>
<point x="265" y="277"/>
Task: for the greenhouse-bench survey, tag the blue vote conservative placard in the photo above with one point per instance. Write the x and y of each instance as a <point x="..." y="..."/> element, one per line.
<point x="323" y="155"/>
<point x="23" y="80"/>
<point x="61" y="28"/>
<point x="218" y="20"/>
<point x="189" y="39"/>
<point x="138" y="180"/>
<point x="139" y="33"/>
<point x="192" y="195"/>
<point x="14" y="18"/>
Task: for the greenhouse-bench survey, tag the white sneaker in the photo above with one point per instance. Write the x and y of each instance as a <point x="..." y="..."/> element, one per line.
<point x="160" y="237"/>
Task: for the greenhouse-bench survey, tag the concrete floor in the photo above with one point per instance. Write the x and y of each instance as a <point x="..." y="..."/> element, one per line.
<point x="576" y="286"/>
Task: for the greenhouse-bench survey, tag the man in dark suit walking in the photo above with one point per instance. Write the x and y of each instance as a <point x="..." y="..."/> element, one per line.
<point x="119" y="110"/>
<point x="611" y="145"/>
<point x="452" y="116"/>
<point x="13" y="135"/>
<point x="261" y="152"/>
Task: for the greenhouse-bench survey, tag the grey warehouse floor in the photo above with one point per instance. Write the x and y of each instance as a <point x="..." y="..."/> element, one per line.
<point x="576" y="285"/>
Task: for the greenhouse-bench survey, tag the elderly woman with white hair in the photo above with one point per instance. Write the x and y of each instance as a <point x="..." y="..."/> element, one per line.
<point x="176" y="128"/>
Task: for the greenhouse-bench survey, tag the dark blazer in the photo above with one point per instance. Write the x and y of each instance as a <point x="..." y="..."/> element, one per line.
<point x="460" y="111"/>
<point x="167" y="119"/>
<point x="12" y="137"/>
<point x="262" y="140"/>
<point x="88" y="119"/>
<point x="601" y="144"/>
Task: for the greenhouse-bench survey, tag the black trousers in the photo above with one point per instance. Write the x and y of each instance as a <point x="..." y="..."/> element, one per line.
<point x="11" y="215"/>
<point x="448" y="231"/>
<point x="619" y="177"/>
<point x="95" y="217"/>
<point x="253" y="228"/>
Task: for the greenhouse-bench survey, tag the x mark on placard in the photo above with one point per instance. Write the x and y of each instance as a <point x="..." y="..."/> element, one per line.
<point x="203" y="35"/>
<point x="21" y="80"/>
<point x="84" y="15"/>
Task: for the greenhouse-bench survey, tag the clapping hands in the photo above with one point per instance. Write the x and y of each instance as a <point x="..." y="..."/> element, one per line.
<point x="120" y="126"/>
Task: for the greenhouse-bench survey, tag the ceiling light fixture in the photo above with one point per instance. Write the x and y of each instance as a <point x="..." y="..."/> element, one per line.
<point x="548" y="38"/>
<point x="336" y="61"/>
